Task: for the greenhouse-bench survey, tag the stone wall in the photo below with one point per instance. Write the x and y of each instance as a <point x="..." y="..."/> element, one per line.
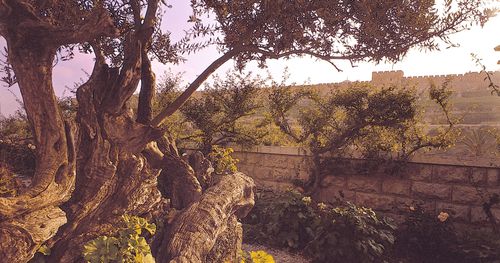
<point x="457" y="189"/>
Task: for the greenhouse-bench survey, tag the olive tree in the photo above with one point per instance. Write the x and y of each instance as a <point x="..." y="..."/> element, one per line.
<point x="378" y="123"/>
<point x="105" y="164"/>
<point x="223" y="112"/>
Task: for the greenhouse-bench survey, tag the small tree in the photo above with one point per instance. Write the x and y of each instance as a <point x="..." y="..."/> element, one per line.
<point x="224" y="112"/>
<point x="365" y="120"/>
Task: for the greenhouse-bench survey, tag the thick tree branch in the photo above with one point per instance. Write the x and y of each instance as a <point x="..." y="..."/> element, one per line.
<point x="22" y="17"/>
<point x="174" y="106"/>
<point x="199" y="226"/>
<point x="147" y="93"/>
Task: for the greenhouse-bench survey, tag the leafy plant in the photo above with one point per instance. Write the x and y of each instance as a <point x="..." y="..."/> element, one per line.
<point x="479" y="142"/>
<point x="222" y="160"/>
<point x="344" y="233"/>
<point x="127" y="246"/>
<point x="427" y="237"/>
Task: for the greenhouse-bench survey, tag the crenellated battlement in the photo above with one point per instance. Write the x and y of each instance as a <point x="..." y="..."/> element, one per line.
<point x="459" y="82"/>
<point x="470" y="81"/>
<point x="393" y="73"/>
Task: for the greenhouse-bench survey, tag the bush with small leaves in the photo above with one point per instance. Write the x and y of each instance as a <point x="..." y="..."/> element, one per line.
<point x="341" y="233"/>
<point x="222" y="160"/>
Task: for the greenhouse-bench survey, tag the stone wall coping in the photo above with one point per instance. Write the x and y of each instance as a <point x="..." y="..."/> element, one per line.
<point x="424" y="158"/>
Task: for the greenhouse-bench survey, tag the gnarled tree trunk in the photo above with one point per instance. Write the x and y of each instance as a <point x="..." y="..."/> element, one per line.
<point x="89" y="174"/>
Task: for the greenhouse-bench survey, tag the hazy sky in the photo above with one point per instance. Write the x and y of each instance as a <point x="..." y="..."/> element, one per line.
<point x="447" y="61"/>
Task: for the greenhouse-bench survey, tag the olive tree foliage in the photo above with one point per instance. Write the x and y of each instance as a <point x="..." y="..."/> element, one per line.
<point x="360" y="121"/>
<point x="223" y="112"/>
<point x="107" y="162"/>
<point x="341" y="30"/>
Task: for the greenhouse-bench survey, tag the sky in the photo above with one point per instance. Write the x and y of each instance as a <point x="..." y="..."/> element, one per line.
<point x="480" y="41"/>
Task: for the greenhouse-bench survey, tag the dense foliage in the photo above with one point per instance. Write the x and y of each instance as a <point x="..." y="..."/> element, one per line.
<point x="427" y="237"/>
<point x="222" y="112"/>
<point x="344" y="233"/>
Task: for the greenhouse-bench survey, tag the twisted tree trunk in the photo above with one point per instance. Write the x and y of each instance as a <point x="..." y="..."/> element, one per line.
<point x="32" y="217"/>
<point x="89" y="174"/>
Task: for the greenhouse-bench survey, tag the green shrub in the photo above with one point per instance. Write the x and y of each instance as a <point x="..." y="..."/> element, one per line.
<point x="344" y="233"/>
<point x="432" y="238"/>
<point x="426" y="237"/>
<point x="8" y="184"/>
<point x="222" y="160"/>
<point x="128" y="246"/>
<point x="20" y="157"/>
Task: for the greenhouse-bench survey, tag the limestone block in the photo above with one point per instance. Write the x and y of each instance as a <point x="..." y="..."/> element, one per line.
<point x="466" y="195"/>
<point x="272" y="185"/>
<point x="396" y="186"/>
<point x="419" y="172"/>
<point x="478" y="176"/>
<point x="431" y="190"/>
<point x="330" y="194"/>
<point x="339" y="181"/>
<point x="450" y="174"/>
<point x="261" y="172"/>
<point x="254" y="158"/>
<point x="279" y="161"/>
<point x="281" y="175"/>
<point x="404" y="203"/>
<point x="458" y="212"/>
<point x="246" y="169"/>
<point x="492" y="177"/>
<point x="375" y="201"/>
<point x="364" y="184"/>
<point x="478" y="215"/>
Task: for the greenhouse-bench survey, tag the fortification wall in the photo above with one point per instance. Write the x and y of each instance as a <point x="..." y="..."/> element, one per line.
<point x="471" y="81"/>
<point x="471" y="84"/>
<point x="456" y="189"/>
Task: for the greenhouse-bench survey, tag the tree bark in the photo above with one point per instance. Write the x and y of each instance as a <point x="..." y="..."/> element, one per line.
<point x="195" y="231"/>
<point x="87" y="178"/>
<point x="114" y="177"/>
<point x="147" y="93"/>
<point x="23" y="217"/>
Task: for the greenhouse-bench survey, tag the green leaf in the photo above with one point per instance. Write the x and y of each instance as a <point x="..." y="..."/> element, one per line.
<point x="44" y="250"/>
<point x="101" y="249"/>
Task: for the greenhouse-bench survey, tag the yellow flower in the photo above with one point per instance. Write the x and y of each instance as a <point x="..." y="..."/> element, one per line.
<point x="321" y="206"/>
<point x="261" y="257"/>
<point x="443" y="216"/>
<point x="306" y="199"/>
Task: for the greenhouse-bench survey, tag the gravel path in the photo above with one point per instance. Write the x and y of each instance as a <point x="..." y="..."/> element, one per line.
<point x="279" y="256"/>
